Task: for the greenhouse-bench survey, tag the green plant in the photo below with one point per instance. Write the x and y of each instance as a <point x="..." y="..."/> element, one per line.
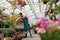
<point x="4" y="30"/>
<point x="34" y="26"/>
<point x="8" y="31"/>
<point x="52" y="1"/>
<point x="18" y="29"/>
<point x="57" y="9"/>
<point x="51" y="15"/>
<point x="45" y="1"/>
<point x="1" y="23"/>
<point x="6" y="23"/>
<point x="51" y="34"/>
<point x="9" y="23"/>
<point x="0" y="11"/>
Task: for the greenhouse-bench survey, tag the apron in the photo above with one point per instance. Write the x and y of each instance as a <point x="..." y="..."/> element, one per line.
<point x="26" y="24"/>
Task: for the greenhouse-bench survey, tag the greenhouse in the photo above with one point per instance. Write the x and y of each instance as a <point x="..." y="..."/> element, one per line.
<point x="29" y="19"/>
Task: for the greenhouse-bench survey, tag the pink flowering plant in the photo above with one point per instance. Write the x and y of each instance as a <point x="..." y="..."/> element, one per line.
<point x="49" y="33"/>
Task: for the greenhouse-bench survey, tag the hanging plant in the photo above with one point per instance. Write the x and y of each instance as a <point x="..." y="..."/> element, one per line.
<point x="53" y="1"/>
<point x="45" y="1"/>
<point x="57" y="9"/>
<point x="0" y="11"/>
<point x="51" y="15"/>
<point x="13" y="2"/>
<point x="21" y="2"/>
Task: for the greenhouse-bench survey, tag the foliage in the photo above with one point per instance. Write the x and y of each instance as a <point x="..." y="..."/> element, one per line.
<point x="51" y="15"/>
<point x="0" y="11"/>
<point x="57" y="9"/>
<point x="34" y="26"/>
<point x="8" y="31"/>
<point x="9" y="23"/>
<point x="21" y="2"/>
<point x="1" y="23"/>
<point x="46" y="0"/>
<point x="6" y="24"/>
<point x="52" y="1"/>
<point x="51" y="34"/>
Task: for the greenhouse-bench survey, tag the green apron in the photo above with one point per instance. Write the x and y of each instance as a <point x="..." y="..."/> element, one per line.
<point x="26" y="24"/>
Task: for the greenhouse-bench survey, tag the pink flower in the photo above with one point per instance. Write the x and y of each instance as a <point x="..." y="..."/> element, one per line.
<point x="58" y="27"/>
<point x="52" y="21"/>
<point x="49" y="30"/>
<point x="58" y="20"/>
<point x="37" y="22"/>
<point x="42" y="25"/>
<point x="41" y="30"/>
<point x="37" y="29"/>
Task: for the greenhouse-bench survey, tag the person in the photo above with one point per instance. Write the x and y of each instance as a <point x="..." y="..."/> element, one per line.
<point x="26" y="24"/>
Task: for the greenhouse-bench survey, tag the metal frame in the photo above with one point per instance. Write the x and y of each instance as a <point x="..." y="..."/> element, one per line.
<point x="32" y="8"/>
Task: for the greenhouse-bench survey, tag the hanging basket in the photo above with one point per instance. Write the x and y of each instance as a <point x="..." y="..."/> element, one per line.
<point x="45" y="1"/>
<point x="13" y="2"/>
<point x="21" y="2"/>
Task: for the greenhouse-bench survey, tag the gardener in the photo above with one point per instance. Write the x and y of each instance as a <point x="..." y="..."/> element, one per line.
<point x="26" y="24"/>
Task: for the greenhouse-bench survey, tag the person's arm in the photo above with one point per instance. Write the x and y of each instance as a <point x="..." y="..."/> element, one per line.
<point x="17" y="19"/>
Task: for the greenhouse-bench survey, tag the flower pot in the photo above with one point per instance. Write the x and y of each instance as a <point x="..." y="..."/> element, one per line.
<point x="45" y="2"/>
<point x="21" y="2"/>
<point x="19" y="35"/>
<point x="35" y="31"/>
<point x="7" y="38"/>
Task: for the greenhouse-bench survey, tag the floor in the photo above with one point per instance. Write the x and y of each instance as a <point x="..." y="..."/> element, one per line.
<point x="35" y="37"/>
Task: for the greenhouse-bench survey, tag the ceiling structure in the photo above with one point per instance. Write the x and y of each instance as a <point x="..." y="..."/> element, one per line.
<point x="33" y="9"/>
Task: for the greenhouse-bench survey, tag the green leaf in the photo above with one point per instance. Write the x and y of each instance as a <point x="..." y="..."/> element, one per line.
<point x="57" y="9"/>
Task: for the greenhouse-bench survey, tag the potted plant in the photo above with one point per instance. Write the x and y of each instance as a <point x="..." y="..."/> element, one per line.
<point x="4" y="31"/>
<point x="22" y="3"/>
<point x="8" y="31"/>
<point x="34" y="27"/>
<point x="51" y="33"/>
<point x="57" y="11"/>
<point x="51" y="15"/>
<point x="18" y="36"/>
<point x="53" y="1"/>
<point x="0" y="11"/>
<point x="1" y="23"/>
<point x="11" y="32"/>
<point x="9" y="23"/>
<point x="45" y="1"/>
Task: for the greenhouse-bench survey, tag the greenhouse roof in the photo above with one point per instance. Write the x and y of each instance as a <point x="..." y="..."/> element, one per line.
<point x="33" y="9"/>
